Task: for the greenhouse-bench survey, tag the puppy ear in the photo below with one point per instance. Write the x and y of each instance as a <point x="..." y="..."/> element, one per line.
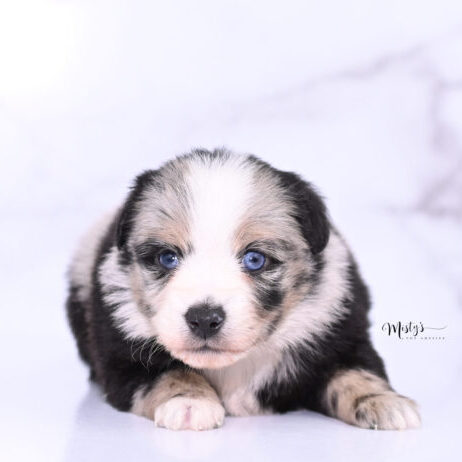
<point x="310" y="211"/>
<point x="129" y="209"/>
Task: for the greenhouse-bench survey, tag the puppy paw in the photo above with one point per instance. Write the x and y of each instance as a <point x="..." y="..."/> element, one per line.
<point x="184" y="413"/>
<point x="385" y="411"/>
<point x="361" y="398"/>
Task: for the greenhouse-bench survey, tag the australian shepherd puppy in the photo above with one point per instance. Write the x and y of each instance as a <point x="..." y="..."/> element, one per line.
<point x="221" y="287"/>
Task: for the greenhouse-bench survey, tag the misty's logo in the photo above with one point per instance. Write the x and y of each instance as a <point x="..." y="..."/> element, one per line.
<point x="412" y="330"/>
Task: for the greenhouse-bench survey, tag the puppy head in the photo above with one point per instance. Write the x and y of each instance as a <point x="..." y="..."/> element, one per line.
<point x="218" y="248"/>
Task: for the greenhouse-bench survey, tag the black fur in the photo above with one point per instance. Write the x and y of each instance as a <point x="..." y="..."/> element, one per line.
<point x="311" y="212"/>
<point x="129" y="209"/>
<point x="270" y="298"/>
<point x="76" y="317"/>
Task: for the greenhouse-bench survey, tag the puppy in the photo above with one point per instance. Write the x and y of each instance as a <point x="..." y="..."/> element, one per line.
<point x="221" y="287"/>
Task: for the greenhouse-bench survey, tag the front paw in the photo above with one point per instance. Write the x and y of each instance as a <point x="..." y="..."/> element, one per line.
<point x="386" y="411"/>
<point x="183" y="413"/>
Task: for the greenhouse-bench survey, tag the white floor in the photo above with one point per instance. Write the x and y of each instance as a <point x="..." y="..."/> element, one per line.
<point x="362" y="98"/>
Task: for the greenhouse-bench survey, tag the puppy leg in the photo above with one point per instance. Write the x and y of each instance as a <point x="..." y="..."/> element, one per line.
<point x="361" y="398"/>
<point x="180" y="400"/>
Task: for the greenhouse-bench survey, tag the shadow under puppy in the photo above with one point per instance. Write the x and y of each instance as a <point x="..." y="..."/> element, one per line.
<point x="221" y="287"/>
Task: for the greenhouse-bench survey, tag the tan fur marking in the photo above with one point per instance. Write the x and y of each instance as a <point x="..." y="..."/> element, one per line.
<point x="164" y="212"/>
<point x="180" y="401"/>
<point x="363" y="399"/>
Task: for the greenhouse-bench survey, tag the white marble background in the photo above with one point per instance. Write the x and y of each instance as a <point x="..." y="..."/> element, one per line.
<point x="363" y="98"/>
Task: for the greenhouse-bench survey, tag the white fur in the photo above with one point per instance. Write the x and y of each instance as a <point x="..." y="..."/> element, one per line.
<point x="238" y="383"/>
<point x="116" y="283"/>
<point x="389" y="411"/>
<point x="81" y="268"/>
<point x="184" y="413"/>
<point x="180" y="401"/>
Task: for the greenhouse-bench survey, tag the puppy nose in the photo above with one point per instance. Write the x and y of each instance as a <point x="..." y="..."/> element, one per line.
<point x="205" y="320"/>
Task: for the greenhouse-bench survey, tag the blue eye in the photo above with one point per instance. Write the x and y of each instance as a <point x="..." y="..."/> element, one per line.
<point x="168" y="259"/>
<point x="253" y="261"/>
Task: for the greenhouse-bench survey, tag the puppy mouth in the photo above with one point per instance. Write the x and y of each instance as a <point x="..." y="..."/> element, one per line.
<point x="208" y="357"/>
<point x="211" y="349"/>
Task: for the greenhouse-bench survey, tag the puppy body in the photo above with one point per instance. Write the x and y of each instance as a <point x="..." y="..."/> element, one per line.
<point x="291" y="334"/>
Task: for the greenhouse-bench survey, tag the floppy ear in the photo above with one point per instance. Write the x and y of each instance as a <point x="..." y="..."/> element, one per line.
<point x="129" y="209"/>
<point x="310" y="211"/>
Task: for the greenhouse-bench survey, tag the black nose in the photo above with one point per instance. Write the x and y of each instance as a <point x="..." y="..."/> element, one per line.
<point x="205" y="320"/>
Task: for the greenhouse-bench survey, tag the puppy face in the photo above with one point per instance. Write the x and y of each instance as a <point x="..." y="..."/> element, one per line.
<point x="218" y="249"/>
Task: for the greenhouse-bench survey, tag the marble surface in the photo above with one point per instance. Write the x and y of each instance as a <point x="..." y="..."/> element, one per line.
<point x="362" y="98"/>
